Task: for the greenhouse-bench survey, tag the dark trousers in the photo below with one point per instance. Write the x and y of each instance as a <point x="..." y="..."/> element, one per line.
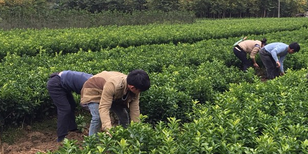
<point x="122" y="114"/>
<point x="65" y="104"/>
<point x="242" y="55"/>
<point x="268" y="61"/>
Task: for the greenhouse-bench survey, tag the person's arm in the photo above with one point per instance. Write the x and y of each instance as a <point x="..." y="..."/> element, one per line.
<point x="105" y="105"/>
<point x="281" y="64"/>
<point x="253" y="54"/>
<point x="255" y="64"/>
<point x="134" y="110"/>
<point x="274" y="55"/>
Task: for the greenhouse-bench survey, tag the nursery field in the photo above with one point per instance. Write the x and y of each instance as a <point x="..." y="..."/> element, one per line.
<point x="199" y="101"/>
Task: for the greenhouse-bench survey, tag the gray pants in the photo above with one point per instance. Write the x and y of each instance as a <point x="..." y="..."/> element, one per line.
<point x="271" y="69"/>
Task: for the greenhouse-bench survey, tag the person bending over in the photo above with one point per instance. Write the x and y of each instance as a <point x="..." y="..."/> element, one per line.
<point x="251" y="47"/>
<point x="60" y="87"/>
<point x="113" y="91"/>
<point x="273" y="55"/>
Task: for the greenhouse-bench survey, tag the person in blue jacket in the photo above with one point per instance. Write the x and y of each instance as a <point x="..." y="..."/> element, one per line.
<point x="60" y="87"/>
<point x="272" y="56"/>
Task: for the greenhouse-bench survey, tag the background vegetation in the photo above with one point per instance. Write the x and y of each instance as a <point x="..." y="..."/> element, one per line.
<point x="199" y="102"/>
<point x="93" y="13"/>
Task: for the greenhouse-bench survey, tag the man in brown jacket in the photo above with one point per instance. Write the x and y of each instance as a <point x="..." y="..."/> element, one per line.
<point x="115" y="91"/>
<point x="252" y="47"/>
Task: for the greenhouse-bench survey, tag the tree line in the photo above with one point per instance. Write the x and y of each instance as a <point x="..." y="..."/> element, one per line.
<point x="201" y="8"/>
<point x="92" y="13"/>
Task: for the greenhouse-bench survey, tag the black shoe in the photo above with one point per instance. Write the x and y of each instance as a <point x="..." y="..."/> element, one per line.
<point x="60" y="138"/>
<point x="76" y="130"/>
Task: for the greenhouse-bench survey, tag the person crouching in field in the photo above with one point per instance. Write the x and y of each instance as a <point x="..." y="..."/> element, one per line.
<point x="60" y="87"/>
<point x="273" y="55"/>
<point x="242" y="47"/>
<point x="113" y="91"/>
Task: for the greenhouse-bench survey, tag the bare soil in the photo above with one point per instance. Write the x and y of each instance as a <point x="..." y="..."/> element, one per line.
<point x="42" y="136"/>
<point x="42" y="139"/>
<point x="38" y="141"/>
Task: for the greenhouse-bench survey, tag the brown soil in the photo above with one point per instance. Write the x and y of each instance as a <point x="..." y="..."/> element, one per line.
<point x="39" y="137"/>
<point x="42" y="137"/>
<point x="38" y="141"/>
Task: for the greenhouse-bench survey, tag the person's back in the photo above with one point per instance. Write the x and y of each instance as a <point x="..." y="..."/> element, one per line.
<point x="278" y="46"/>
<point x="249" y="45"/>
<point x="73" y="80"/>
<point x="93" y="88"/>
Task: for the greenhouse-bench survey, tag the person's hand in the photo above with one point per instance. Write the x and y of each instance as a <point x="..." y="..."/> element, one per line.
<point x="106" y="130"/>
<point x="277" y="64"/>
<point x="281" y="73"/>
<point x="255" y="65"/>
<point x="108" y="134"/>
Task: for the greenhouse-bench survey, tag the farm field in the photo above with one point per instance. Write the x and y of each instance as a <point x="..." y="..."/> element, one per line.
<point x="199" y="101"/>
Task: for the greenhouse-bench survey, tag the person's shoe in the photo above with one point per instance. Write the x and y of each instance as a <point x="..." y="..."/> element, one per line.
<point x="76" y="130"/>
<point x="60" y="138"/>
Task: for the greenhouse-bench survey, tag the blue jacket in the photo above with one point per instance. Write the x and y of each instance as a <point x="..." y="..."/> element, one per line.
<point x="73" y="80"/>
<point x="279" y="51"/>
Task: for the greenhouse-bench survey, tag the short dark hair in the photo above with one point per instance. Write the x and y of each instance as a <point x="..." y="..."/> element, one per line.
<point x="295" y="46"/>
<point x="263" y="41"/>
<point x="139" y="79"/>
